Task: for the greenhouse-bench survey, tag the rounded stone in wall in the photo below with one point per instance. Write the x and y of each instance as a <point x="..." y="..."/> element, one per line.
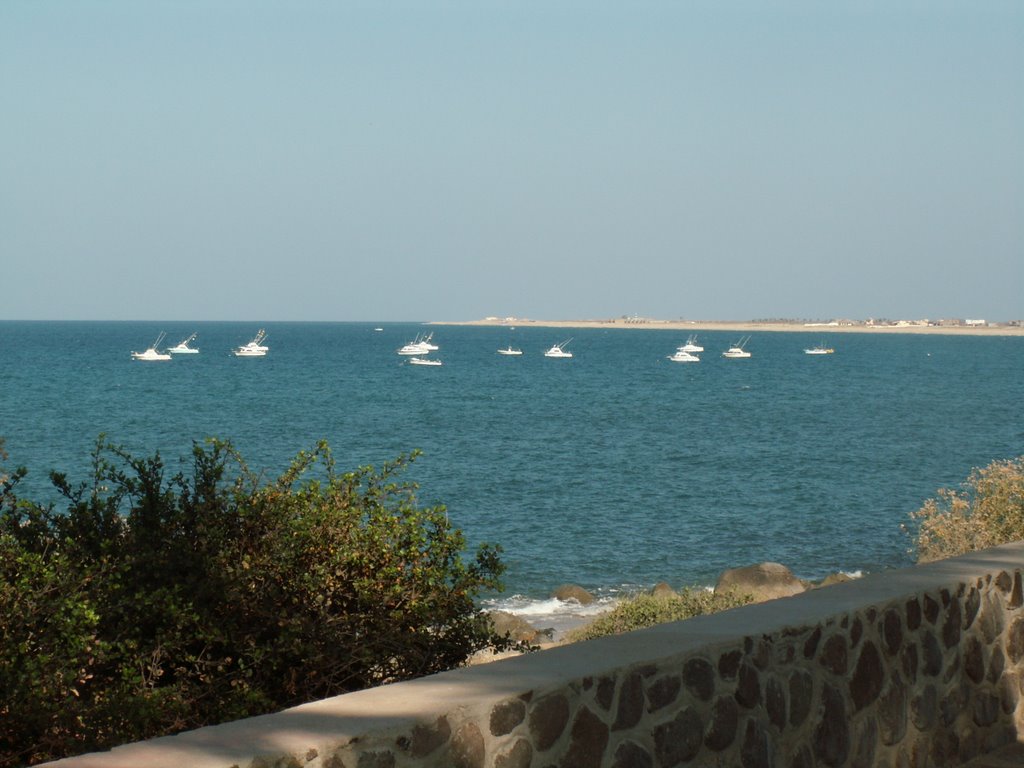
<point x="699" y="677"/>
<point x="991" y="621"/>
<point x="548" y="718"/>
<point x="775" y="703"/>
<point x="427" y="738"/>
<point x="892" y="632"/>
<point x="868" y="676"/>
<point x="631" y="702"/>
<point x="801" y="691"/>
<point x="467" y="749"/>
<point x="924" y="708"/>
<point x="729" y="664"/>
<point x="519" y="756"/>
<point x="755" y="751"/>
<point x="865" y="744"/>
<point x="678" y="741"/>
<point x="1015" y="640"/>
<point x="589" y="740"/>
<point x="832" y="734"/>
<point x="972" y="605"/>
<point x="892" y="712"/>
<point x="974" y="660"/>
<point x="951" y="624"/>
<point x="908" y="662"/>
<point x="931" y="609"/>
<point x="506" y="715"/>
<point x="748" y="686"/>
<point x="375" y="760"/>
<point x="985" y="709"/>
<point x="913" y="609"/>
<point x="662" y="692"/>
<point x="931" y="653"/>
<point x="725" y="715"/>
<point x="631" y="755"/>
<point x="834" y="655"/>
<point x="996" y="665"/>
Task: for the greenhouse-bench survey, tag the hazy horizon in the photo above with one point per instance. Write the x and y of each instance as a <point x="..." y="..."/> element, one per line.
<point x="559" y="160"/>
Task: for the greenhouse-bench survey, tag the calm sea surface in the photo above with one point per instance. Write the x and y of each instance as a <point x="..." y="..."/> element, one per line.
<point x="615" y="469"/>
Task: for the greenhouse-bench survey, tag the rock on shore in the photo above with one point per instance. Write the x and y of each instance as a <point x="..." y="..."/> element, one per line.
<point x="764" y="581"/>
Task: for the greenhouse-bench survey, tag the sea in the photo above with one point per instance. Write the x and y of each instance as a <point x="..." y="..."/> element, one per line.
<point x="615" y="469"/>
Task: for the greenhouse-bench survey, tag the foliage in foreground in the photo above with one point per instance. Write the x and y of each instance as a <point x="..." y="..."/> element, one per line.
<point x="152" y="604"/>
<point x="987" y="511"/>
<point x="648" y="610"/>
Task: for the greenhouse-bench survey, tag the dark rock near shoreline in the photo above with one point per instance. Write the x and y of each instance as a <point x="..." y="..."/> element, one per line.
<point x="573" y="592"/>
<point x="661" y="589"/>
<point x="832" y="578"/>
<point x="764" y="581"/>
<point x="515" y="627"/>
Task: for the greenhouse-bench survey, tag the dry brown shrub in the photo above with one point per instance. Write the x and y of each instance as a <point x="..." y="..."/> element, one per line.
<point x="988" y="510"/>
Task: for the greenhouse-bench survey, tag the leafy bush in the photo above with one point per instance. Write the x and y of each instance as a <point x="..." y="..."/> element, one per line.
<point x="989" y="510"/>
<point x="646" y="610"/>
<point x="152" y="604"/>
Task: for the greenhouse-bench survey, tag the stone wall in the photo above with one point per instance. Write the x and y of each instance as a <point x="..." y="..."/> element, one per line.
<point x="918" y="667"/>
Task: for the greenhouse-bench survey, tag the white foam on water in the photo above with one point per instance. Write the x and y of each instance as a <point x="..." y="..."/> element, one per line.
<point x="552" y="613"/>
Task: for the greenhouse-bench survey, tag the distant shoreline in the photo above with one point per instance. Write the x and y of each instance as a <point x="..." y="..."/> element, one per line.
<point x="742" y="326"/>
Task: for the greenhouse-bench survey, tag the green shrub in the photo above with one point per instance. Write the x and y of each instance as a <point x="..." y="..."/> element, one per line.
<point x="987" y="511"/>
<point x="646" y="610"/>
<point x="151" y="604"/>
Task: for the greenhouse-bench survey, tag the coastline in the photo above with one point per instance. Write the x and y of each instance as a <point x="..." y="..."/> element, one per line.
<point x="741" y="326"/>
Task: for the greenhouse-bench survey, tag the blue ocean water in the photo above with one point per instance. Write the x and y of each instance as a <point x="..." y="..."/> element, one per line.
<point x="615" y="469"/>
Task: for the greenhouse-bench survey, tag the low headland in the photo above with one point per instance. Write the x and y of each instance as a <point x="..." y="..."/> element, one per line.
<point x="940" y="327"/>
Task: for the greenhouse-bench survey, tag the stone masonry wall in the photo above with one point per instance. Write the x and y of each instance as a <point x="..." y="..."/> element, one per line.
<point x="913" y="668"/>
<point x="931" y="680"/>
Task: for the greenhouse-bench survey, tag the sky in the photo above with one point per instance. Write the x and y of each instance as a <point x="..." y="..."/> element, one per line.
<point x="546" y="159"/>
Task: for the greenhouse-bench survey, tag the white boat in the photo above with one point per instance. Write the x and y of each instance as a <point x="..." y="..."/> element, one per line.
<point x="418" y="346"/>
<point x="255" y="348"/>
<point x="151" y="353"/>
<point x="423" y="361"/>
<point x="691" y="345"/>
<point x="183" y="348"/>
<point x="683" y="357"/>
<point x="821" y="349"/>
<point x="737" y="350"/>
<point x="510" y="350"/>
<point x="558" y="350"/>
<point x="428" y="343"/>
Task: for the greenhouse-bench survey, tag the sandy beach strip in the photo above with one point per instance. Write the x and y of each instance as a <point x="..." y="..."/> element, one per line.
<point x="743" y="326"/>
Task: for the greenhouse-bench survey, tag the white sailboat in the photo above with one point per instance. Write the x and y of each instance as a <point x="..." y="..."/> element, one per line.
<point x="737" y="351"/>
<point x="255" y="348"/>
<point x="691" y="345"/>
<point x="683" y="357"/>
<point x="558" y="350"/>
<point x="183" y="348"/>
<point x="821" y="349"/>
<point x="421" y="345"/>
<point x="152" y="353"/>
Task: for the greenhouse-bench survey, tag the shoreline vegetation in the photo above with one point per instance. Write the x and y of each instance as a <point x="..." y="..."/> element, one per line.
<point x="745" y="326"/>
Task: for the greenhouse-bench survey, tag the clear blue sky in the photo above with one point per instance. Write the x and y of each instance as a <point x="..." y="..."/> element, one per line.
<point x="424" y="160"/>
